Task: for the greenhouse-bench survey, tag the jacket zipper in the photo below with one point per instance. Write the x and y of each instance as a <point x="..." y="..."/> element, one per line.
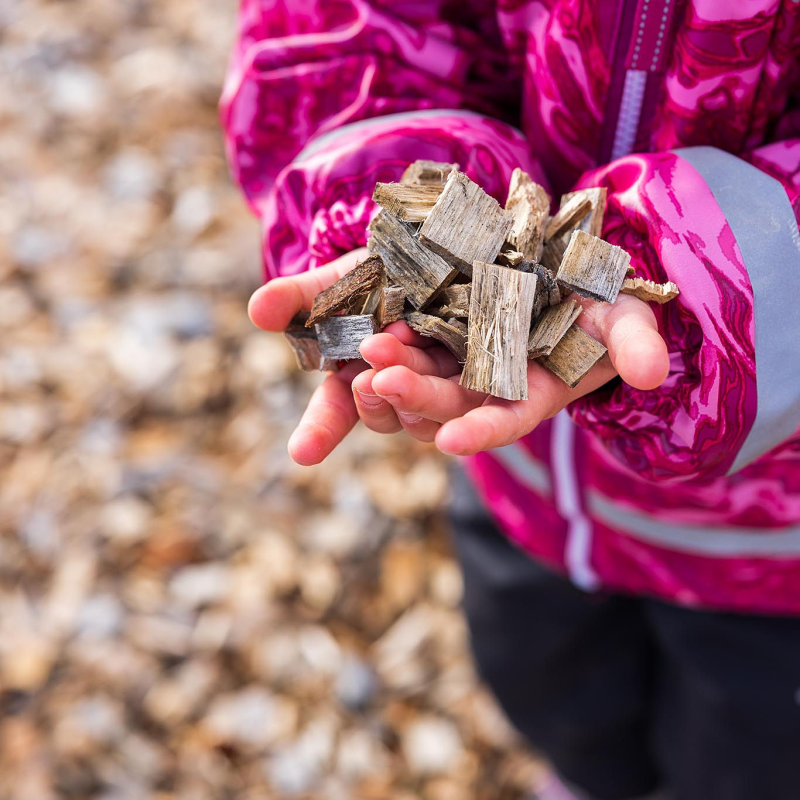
<point x="640" y="60"/>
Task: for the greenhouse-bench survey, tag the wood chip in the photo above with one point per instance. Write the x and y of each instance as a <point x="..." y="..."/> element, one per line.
<point x="593" y="268"/>
<point x="553" y="253"/>
<point x="499" y="321"/>
<point x="342" y="294"/>
<point x="453" y="337"/>
<point x="367" y="303"/>
<point x="574" y="356"/>
<point x="407" y="203"/>
<point x="304" y="342"/>
<point x="529" y="204"/>
<point x="455" y="301"/>
<point x="390" y="307"/>
<point x="510" y="258"/>
<point x="421" y="273"/>
<point x="549" y="329"/>
<point x="592" y="223"/>
<point x="340" y="337"/>
<point x="427" y="173"/>
<point x="548" y="292"/>
<point x="650" y="291"/>
<point x="568" y="217"/>
<point x="466" y="224"/>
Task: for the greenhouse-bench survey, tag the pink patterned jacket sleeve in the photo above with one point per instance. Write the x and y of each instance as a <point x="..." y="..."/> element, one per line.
<point x="323" y="101"/>
<point x="674" y="221"/>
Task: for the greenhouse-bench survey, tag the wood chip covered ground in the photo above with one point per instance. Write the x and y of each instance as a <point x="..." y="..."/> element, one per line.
<point x="185" y="614"/>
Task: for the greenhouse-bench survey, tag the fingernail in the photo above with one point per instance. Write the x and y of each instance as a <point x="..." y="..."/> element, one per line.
<point x="409" y="419"/>
<point x="375" y="365"/>
<point x="370" y="400"/>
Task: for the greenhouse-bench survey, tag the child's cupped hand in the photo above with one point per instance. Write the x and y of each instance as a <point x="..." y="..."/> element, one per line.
<point x="407" y="381"/>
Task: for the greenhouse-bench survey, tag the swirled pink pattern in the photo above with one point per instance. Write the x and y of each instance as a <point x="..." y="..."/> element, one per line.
<point x="531" y="83"/>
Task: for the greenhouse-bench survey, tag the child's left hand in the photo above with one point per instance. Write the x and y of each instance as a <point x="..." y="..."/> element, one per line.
<point x="413" y="383"/>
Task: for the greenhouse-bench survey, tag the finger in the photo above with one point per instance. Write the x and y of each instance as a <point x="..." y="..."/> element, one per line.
<point x="499" y="422"/>
<point x="384" y="350"/>
<point x="430" y="397"/>
<point x="272" y="306"/>
<point x="424" y="430"/>
<point x="329" y="417"/>
<point x="401" y="331"/>
<point x="375" y="412"/>
<point x="628" y="329"/>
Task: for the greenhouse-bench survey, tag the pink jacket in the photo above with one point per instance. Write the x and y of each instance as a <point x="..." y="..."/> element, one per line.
<point x="690" y="492"/>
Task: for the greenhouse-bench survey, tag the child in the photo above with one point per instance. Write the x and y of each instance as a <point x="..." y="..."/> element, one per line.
<point x="638" y="617"/>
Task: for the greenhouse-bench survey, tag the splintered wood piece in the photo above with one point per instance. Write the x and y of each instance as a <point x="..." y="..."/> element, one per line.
<point x="340" y="337"/>
<point x="466" y="224"/>
<point x="304" y="343"/>
<point x="453" y="337"/>
<point x="427" y="173"/>
<point x="407" y="203"/>
<point x="499" y="321"/>
<point x="568" y="216"/>
<point x="574" y="356"/>
<point x="420" y="272"/>
<point x="390" y="307"/>
<point x="650" y="291"/>
<point x="593" y="268"/>
<point x="459" y="325"/>
<point x="455" y="301"/>
<point x="553" y="252"/>
<point x="547" y="290"/>
<point x="549" y="329"/>
<point x="510" y="258"/>
<point x="367" y="303"/>
<point x="361" y="280"/>
<point x="529" y="204"/>
<point x="593" y="222"/>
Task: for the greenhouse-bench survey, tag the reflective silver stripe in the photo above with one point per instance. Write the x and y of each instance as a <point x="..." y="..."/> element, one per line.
<point x="761" y="218"/>
<point x="578" y="547"/>
<point x="701" y="540"/>
<point x="524" y="467"/>
<point x="324" y="139"/>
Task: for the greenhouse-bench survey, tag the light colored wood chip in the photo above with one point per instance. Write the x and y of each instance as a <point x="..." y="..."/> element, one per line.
<point x="453" y="337"/>
<point x="347" y="291"/>
<point x="420" y="272"/>
<point x="407" y="203"/>
<point x="550" y="327"/>
<point x="573" y="356"/>
<point x="510" y="258"/>
<point x="390" y="307"/>
<point x="650" y="291"/>
<point x="593" y="268"/>
<point x="568" y="217"/>
<point x="499" y="322"/>
<point x="340" y="337"/>
<point x="454" y="300"/>
<point x="466" y="224"/>
<point x="593" y="222"/>
<point x="427" y="173"/>
<point x="529" y="204"/>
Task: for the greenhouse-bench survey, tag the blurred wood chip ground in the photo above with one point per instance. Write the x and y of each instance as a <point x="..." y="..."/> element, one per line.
<point x="183" y="612"/>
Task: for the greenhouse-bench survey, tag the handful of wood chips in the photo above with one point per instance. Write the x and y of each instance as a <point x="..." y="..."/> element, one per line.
<point x="491" y="284"/>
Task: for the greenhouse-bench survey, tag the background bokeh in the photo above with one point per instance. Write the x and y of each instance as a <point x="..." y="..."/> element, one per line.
<point x="184" y="613"/>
